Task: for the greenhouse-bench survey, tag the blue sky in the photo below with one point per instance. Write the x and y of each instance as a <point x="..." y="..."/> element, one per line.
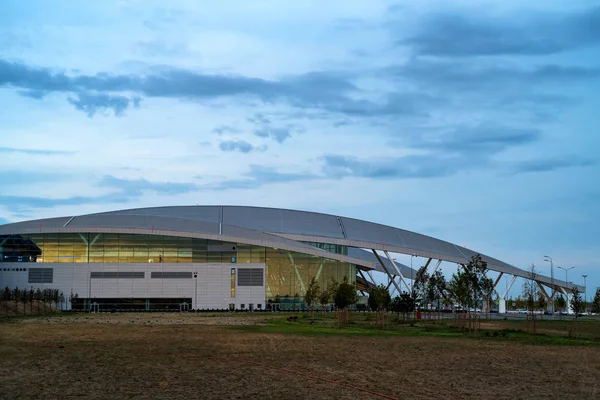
<point x="474" y="123"/>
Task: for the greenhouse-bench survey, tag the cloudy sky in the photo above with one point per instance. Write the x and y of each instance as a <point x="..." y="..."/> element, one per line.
<point x="474" y="122"/>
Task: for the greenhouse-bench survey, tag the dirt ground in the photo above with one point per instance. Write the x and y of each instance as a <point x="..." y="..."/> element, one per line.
<point x="176" y="356"/>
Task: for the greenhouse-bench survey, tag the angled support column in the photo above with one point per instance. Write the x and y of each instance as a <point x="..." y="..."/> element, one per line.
<point x="386" y="270"/>
<point x="361" y="274"/>
<point x="496" y="282"/>
<point x="486" y="303"/>
<point x="568" y="299"/>
<point x="549" y="300"/>
<point x="371" y="276"/>
<point x="437" y="265"/>
<point x="389" y="284"/>
<point x="398" y="271"/>
<point x="543" y="290"/>
<point x="502" y="299"/>
<point x="428" y="262"/>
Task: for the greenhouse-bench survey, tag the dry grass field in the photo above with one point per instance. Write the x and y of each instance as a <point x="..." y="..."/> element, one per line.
<point x="177" y="356"/>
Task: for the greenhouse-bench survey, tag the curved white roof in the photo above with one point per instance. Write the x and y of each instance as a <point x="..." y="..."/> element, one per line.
<point x="271" y="227"/>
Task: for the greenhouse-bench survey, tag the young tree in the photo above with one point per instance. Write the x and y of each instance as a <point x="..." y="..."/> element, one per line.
<point x="542" y="303"/>
<point x="16" y="297"/>
<point x="6" y="297"/>
<point x="437" y="288"/>
<point x="577" y="304"/>
<point x="24" y="300"/>
<point x="530" y="290"/>
<point x="519" y="303"/>
<point x="344" y="294"/>
<point x="379" y="298"/>
<point x="560" y="303"/>
<point x="38" y="298"/>
<point x="510" y="304"/>
<point x="61" y="299"/>
<point x="596" y="302"/>
<point x="421" y="286"/>
<point x="325" y="297"/>
<point x="469" y="284"/>
<point x="459" y="289"/>
<point x="487" y="293"/>
<point x="311" y="297"/>
<point x="74" y="296"/>
<point x="404" y="304"/>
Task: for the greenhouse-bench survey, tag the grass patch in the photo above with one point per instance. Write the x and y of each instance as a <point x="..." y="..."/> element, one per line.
<point x="361" y="326"/>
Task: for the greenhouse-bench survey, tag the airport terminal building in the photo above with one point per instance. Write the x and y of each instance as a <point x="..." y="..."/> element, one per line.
<point x="211" y="257"/>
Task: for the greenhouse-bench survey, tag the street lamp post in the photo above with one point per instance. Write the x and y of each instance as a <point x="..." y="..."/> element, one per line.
<point x="567" y="269"/>
<point x="584" y="291"/>
<point x="412" y="282"/>
<point x="549" y="259"/>
<point x="566" y="279"/>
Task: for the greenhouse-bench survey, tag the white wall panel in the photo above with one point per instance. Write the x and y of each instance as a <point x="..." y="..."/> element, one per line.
<point x="210" y="290"/>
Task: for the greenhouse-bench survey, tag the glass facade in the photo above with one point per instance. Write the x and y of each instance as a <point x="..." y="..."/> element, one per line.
<point x="287" y="273"/>
<point x="332" y="248"/>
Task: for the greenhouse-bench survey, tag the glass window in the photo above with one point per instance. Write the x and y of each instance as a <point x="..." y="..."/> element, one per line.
<point x="96" y="247"/>
<point x="111" y="248"/>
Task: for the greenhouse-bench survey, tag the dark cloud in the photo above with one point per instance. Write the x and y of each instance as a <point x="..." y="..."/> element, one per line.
<point x="34" y="151"/>
<point x="259" y="118"/>
<point x="262" y="175"/>
<point x="124" y="190"/>
<point x="237" y="145"/>
<point x="336" y="167"/>
<point x="92" y="103"/>
<point x="495" y="87"/>
<point x="551" y="164"/>
<point x="277" y="134"/>
<point x="484" y="77"/>
<point x="136" y="187"/>
<point x="224" y="129"/>
<point x="418" y="88"/>
<point x="412" y="166"/>
<point x="33" y="94"/>
<point x="488" y="139"/>
<point x="339" y="124"/>
<point x="463" y="34"/>
<point x="326" y="91"/>
<point x="266" y="129"/>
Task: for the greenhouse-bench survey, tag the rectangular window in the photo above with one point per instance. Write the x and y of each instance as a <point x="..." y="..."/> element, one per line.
<point x="117" y="275"/>
<point x="41" y="275"/>
<point x="170" y="275"/>
<point x="250" y="277"/>
<point x="232" y="282"/>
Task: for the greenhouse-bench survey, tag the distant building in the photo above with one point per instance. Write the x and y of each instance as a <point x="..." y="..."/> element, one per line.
<point x="207" y="257"/>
